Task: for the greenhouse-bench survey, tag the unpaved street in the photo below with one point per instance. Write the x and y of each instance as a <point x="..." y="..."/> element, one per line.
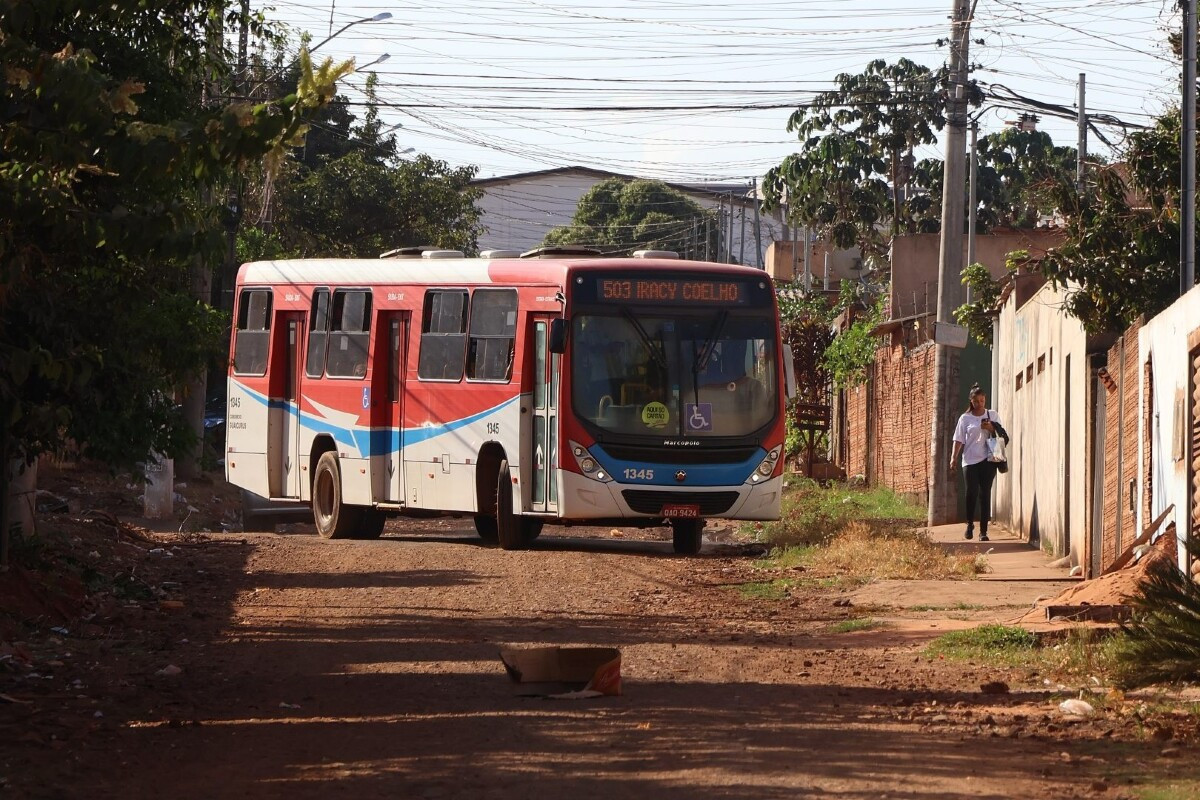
<point x="309" y="668"/>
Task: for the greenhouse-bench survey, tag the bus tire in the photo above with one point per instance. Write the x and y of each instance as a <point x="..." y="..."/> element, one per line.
<point x="687" y="535"/>
<point x="334" y="519"/>
<point x="512" y="532"/>
<point x="485" y="526"/>
<point x="371" y="524"/>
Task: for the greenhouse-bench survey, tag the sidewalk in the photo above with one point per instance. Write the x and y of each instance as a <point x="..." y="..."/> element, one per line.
<point x="1018" y="576"/>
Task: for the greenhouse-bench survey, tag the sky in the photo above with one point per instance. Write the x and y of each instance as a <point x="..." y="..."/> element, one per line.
<point x="701" y="90"/>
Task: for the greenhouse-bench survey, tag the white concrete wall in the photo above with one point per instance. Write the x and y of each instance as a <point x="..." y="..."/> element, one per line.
<point x="1164" y="342"/>
<point x="517" y="215"/>
<point x="1041" y="493"/>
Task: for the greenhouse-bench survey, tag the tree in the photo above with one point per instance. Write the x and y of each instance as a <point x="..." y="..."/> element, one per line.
<point x="1015" y="183"/>
<point x="620" y="215"/>
<point x="854" y="171"/>
<point x="106" y="157"/>
<point x="353" y="206"/>
<point x="1120" y="259"/>
<point x="347" y="193"/>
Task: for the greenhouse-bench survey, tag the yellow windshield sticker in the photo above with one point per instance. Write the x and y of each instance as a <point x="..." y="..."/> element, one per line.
<point x="655" y="415"/>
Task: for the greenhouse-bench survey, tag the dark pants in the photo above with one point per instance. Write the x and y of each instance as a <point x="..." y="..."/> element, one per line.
<point x="979" y="488"/>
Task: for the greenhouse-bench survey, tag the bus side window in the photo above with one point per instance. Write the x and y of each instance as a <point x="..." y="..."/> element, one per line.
<point x="493" y="331"/>
<point x="318" y="334"/>
<point x="443" y="335"/>
<point x="349" y="334"/>
<point x="253" y="339"/>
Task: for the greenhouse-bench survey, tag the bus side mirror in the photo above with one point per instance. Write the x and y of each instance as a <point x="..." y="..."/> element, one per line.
<point x="789" y="372"/>
<point x="558" y="335"/>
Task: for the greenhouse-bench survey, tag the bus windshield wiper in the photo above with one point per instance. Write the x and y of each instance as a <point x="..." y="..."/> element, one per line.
<point x="711" y="342"/>
<point x="658" y="357"/>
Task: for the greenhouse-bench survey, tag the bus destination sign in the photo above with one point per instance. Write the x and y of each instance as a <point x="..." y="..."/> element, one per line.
<point x="671" y="290"/>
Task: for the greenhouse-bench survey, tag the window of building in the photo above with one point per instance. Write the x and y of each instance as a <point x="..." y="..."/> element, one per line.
<point x="252" y="342"/>
<point x="1029" y="374"/>
<point x="492" y="334"/>
<point x="318" y="334"/>
<point x="1041" y="363"/>
<point x="1020" y="381"/>
<point x="349" y="333"/>
<point x="443" y="335"/>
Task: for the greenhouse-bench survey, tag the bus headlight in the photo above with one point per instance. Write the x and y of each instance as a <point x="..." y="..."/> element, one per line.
<point x="767" y="466"/>
<point x="588" y="465"/>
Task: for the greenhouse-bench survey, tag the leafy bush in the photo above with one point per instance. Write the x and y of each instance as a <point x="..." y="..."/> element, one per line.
<point x="1162" y="641"/>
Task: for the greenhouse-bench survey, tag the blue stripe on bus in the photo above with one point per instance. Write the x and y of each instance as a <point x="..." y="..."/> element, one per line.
<point x="373" y="441"/>
<point x="664" y="473"/>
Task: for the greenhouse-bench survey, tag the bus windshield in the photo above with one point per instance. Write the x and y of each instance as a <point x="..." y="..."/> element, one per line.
<point x="661" y="374"/>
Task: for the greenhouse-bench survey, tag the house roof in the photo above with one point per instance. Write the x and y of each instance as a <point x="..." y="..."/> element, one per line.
<point x="600" y="174"/>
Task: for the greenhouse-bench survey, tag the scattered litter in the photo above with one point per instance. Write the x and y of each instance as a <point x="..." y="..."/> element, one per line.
<point x="292" y="706"/>
<point x="1076" y="708"/>
<point x="8" y="698"/>
<point x="581" y="669"/>
<point x="169" y="671"/>
<point x="583" y="694"/>
<point x="61" y="631"/>
<point x="98" y="714"/>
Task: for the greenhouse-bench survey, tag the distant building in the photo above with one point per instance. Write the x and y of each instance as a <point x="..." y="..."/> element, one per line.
<point x="519" y="210"/>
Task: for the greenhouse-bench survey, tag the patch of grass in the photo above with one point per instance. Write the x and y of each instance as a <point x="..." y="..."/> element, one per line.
<point x="765" y="590"/>
<point x="812" y="514"/>
<point x="1174" y="790"/>
<point x="862" y="552"/>
<point x="960" y="606"/>
<point x="786" y="557"/>
<point x="860" y="624"/>
<point x="998" y="644"/>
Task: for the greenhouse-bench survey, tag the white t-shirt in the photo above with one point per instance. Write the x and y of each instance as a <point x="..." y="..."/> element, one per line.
<point x="970" y="434"/>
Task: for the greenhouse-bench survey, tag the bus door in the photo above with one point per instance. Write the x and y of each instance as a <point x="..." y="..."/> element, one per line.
<point x="395" y="325"/>
<point x="542" y="472"/>
<point x="283" y="458"/>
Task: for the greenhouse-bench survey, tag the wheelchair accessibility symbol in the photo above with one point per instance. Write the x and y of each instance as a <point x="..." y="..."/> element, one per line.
<point x="699" y="416"/>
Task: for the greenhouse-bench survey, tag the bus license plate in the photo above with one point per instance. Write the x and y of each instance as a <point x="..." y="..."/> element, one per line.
<point x="679" y="511"/>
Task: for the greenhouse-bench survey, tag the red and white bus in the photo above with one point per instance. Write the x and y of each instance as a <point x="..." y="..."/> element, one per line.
<point x="551" y="388"/>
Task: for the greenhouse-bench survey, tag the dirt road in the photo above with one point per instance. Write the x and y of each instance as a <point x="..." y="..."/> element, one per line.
<point x="308" y="668"/>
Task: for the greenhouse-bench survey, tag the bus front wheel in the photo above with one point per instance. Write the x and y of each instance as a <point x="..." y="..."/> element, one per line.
<point x="687" y="535"/>
<point x="513" y="531"/>
<point x="334" y="519"/>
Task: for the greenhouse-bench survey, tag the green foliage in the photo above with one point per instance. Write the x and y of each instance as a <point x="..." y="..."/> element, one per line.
<point x="858" y="624"/>
<point x="1163" y="638"/>
<point x="765" y="590"/>
<point x="107" y="158"/>
<point x="977" y="315"/>
<point x="1016" y="181"/>
<point x="1121" y="256"/>
<point x="856" y="141"/>
<point x="1000" y="644"/>
<point x="812" y="514"/>
<point x="618" y="215"/>
<point x="853" y="350"/>
<point x="355" y="206"/>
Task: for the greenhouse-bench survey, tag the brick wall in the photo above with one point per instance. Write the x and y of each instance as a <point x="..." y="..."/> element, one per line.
<point x="1121" y="445"/>
<point x="856" y="431"/>
<point x="901" y="397"/>
<point x="887" y="420"/>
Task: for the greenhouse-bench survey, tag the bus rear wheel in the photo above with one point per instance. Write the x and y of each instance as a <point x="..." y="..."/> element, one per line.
<point x="370" y="525"/>
<point x="513" y="531"/>
<point x="334" y="519"/>
<point x="687" y="535"/>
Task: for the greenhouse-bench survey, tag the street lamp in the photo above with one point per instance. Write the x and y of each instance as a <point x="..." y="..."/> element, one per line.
<point x="378" y="60"/>
<point x="380" y="17"/>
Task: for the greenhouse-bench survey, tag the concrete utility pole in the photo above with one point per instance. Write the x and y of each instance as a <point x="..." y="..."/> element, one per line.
<point x="972" y="202"/>
<point x="1081" y="137"/>
<point x="943" y="483"/>
<point x="757" y="231"/>
<point x="1187" y="161"/>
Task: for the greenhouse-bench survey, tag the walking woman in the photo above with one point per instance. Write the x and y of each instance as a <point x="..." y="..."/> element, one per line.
<point x="975" y="427"/>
